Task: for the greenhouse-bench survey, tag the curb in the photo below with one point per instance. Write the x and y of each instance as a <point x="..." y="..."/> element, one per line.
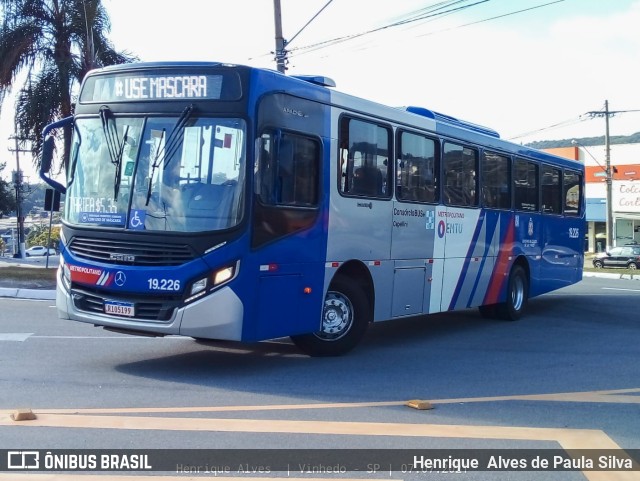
<point x="606" y="275"/>
<point x="39" y="294"/>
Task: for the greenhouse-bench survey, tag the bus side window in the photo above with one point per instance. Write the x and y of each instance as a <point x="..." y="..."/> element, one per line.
<point x="551" y="193"/>
<point x="525" y="184"/>
<point x="496" y="181"/>
<point x="572" y="190"/>
<point x="288" y="170"/>
<point x="364" y="168"/>
<point x="417" y="165"/>
<point x="460" y="179"/>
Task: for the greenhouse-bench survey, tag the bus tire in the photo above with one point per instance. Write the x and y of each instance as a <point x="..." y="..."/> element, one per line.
<point x="517" y="295"/>
<point x="345" y="317"/>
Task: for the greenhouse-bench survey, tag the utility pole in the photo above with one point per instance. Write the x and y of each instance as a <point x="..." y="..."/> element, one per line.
<point x="281" y="53"/>
<point x="18" y="183"/>
<point x="607" y="168"/>
<point x="281" y="43"/>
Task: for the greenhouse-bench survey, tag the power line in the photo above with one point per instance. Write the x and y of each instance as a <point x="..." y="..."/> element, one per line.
<point x="429" y="14"/>
<point x="564" y="123"/>
<point x="307" y="24"/>
<point x="494" y="18"/>
<point x="576" y="120"/>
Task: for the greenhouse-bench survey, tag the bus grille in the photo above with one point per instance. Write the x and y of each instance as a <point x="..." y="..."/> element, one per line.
<point x="149" y="309"/>
<point x="111" y="251"/>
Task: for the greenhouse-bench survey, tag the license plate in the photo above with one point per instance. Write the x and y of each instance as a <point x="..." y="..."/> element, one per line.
<point x="119" y="308"/>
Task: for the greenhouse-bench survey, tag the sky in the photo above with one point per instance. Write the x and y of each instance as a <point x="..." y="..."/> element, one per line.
<point x="481" y="60"/>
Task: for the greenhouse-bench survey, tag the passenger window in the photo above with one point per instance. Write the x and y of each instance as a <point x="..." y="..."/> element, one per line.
<point x="417" y="169"/>
<point x="572" y="189"/>
<point x="525" y="183"/>
<point x="288" y="170"/>
<point x="496" y="181"/>
<point x="460" y="167"/>
<point x="364" y="159"/>
<point x="551" y="193"/>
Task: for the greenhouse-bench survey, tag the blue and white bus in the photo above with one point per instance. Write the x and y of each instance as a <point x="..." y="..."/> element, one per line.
<point x="234" y="203"/>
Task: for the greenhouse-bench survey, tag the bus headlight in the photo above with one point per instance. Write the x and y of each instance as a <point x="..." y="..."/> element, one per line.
<point x="215" y="279"/>
<point x="223" y="275"/>
<point x="198" y="286"/>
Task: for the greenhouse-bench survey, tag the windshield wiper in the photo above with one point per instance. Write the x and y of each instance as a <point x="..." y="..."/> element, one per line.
<point x="154" y="166"/>
<point x="170" y="145"/>
<point x="74" y="156"/>
<point x="114" y="146"/>
<point x="177" y="132"/>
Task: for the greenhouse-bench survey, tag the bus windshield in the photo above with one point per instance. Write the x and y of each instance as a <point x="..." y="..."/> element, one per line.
<point x="181" y="173"/>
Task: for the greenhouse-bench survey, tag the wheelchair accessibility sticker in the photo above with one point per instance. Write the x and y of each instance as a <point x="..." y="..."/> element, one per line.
<point x="136" y="219"/>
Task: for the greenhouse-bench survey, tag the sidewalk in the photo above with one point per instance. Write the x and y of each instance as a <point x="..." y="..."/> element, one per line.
<point x="25" y="288"/>
<point x="22" y="293"/>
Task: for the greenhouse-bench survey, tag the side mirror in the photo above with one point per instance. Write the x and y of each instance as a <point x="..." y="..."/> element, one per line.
<point x="48" y="145"/>
<point x="47" y="154"/>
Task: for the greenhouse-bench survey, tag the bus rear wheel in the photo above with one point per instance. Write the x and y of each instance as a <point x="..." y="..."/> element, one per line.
<point x="517" y="295"/>
<point x="345" y="317"/>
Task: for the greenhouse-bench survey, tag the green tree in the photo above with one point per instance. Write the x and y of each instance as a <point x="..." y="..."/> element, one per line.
<point x="55" y="43"/>
<point x="39" y="234"/>
<point x="7" y="197"/>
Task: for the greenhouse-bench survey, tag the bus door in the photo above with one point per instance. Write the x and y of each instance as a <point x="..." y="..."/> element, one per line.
<point x="463" y="231"/>
<point x="418" y="265"/>
<point x="287" y="242"/>
<point x="359" y="220"/>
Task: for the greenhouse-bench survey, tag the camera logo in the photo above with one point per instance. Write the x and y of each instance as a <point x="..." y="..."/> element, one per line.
<point x="23" y="460"/>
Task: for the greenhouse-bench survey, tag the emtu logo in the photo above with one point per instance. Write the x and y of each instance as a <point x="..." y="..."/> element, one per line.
<point x="23" y="460"/>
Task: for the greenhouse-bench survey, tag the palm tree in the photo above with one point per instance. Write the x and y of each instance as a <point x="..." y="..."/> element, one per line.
<point x="55" y="43"/>
<point x="7" y="199"/>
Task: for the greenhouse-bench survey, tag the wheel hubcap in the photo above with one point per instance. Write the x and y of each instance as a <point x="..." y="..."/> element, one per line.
<point x="517" y="294"/>
<point x="337" y="317"/>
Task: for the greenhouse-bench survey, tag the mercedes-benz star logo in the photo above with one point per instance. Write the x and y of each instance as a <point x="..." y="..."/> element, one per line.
<point x="120" y="278"/>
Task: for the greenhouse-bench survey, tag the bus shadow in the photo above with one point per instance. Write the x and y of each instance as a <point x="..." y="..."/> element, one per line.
<point x="278" y="367"/>
<point x="440" y="353"/>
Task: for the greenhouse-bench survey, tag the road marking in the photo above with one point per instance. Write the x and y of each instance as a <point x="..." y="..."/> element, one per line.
<point x="609" y="396"/>
<point x="619" y="289"/>
<point x="568" y="439"/>
<point x="15" y="336"/>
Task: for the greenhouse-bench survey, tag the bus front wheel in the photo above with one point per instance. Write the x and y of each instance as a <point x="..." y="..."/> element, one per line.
<point x="517" y="295"/>
<point x="345" y="317"/>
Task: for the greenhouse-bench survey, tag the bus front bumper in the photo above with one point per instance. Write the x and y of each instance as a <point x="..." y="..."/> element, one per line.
<point x="216" y="316"/>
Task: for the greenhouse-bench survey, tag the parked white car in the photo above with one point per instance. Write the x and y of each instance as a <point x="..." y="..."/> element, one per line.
<point x="39" y="251"/>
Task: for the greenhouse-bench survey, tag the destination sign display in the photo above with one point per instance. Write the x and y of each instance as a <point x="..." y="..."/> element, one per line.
<point x="133" y="87"/>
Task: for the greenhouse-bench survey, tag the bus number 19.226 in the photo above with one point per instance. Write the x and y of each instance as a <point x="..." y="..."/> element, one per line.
<point x="164" y="284"/>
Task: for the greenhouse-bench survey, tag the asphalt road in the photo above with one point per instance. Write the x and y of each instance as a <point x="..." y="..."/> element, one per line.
<point x="565" y="376"/>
